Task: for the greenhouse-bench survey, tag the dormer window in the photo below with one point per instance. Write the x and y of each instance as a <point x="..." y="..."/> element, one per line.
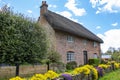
<point x="94" y="44"/>
<point x="70" y="38"/>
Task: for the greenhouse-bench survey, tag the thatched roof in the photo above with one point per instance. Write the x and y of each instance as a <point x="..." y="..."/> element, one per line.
<point x="61" y="23"/>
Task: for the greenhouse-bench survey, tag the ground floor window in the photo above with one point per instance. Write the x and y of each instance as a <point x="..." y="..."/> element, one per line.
<point x="95" y="55"/>
<point x="70" y="56"/>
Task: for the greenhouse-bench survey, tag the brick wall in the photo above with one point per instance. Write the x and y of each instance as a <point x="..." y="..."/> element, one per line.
<point x="9" y="71"/>
<point x="77" y="46"/>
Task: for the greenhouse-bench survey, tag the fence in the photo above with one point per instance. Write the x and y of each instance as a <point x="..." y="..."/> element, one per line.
<point x="26" y="70"/>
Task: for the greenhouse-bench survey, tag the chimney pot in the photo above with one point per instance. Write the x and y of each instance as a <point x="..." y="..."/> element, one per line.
<point x="43" y="8"/>
<point x="43" y="4"/>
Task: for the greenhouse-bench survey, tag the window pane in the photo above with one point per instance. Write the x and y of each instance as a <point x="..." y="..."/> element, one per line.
<point x="70" y="56"/>
<point x="70" y="38"/>
<point x="85" y="42"/>
<point x="95" y="44"/>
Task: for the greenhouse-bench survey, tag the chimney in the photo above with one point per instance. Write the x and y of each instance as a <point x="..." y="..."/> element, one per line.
<point x="43" y="8"/>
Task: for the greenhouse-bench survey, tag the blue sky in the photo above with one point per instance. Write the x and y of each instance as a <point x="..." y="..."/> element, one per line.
<point x="102" y="17"/>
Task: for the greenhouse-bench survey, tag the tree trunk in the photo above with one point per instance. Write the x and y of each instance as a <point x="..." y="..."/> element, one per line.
<point x="48" y="66"/>
<point x="17" y="69"/>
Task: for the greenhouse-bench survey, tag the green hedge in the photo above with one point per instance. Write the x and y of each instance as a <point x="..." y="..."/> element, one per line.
<point x="71" y="65"/>
<point x="94" y="62"/>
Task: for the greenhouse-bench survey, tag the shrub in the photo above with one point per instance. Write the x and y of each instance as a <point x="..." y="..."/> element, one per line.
<point x="94" y="62"/>
<point x="71" y="65"/>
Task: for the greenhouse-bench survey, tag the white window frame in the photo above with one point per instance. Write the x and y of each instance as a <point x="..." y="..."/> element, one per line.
<point x="70" y="38"/>
<point x="95" y="44"/>
<point x="85" y="42"/>
<point x="70" y="56"/>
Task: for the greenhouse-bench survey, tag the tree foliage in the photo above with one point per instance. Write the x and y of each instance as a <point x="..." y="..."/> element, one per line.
<point x="21" y="39"/>
<point x="54" y="56"/>
<point x="115" y="53"/>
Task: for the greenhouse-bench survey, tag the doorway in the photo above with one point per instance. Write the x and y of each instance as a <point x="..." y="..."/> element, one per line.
<point x="85" y="57"/>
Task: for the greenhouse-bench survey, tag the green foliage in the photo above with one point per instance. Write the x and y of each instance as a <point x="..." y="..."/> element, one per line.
<point x="54" y="56"/>
<point x="111" y="76"/>
<point x="94" y="62"/>
<point x="21" y="40"/>
<point x="115" y="53"/>
<point x="116" y="56"/>
<point x="71" y="65"/>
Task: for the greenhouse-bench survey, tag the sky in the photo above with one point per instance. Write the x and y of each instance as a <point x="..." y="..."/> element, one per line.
<point x="102" y="17"/>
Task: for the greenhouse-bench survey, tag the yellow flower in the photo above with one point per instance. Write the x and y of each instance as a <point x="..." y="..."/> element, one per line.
<point x="83" y="69"/>
<point x="77" y="71"/>
<point x="95" y="73"/>
<point x="17" y="78"/>
<point x="38" y="77"/>
<point x="93" y="70"/>
<point x="116" y="65"/>
<point x="104" y="66"/>
<point x="86" y="70"/>
<point x="51" y="74"/>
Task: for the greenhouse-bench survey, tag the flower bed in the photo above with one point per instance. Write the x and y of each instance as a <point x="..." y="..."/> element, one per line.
<point x="86" y="72"/>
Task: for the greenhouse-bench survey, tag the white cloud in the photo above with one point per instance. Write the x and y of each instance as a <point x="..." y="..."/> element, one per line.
<point x="94" y="3"/>
<point x="68" y="15"/>
<point x="114" y="24"/>
<point x="111" y="6"/>
<point x="29" y="11"/>
<point x="97" y="12"/>
<point x="71" y="5"/>
<point x="53" y="6"/>
<point x="98" y="27"/>
<point x="111" y="38"/>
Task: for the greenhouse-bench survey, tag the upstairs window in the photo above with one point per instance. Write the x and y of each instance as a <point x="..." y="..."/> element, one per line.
<point x="95" y="44"/>
<point x="85" y="42"/>
<point x="70" y="38"/>
<point x="70" y="56"/>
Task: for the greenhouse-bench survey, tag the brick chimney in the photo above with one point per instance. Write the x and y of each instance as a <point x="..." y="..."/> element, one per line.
<point x="43" y="8"/>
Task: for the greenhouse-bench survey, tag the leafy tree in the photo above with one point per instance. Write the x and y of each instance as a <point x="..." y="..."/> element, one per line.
<point x="116" y="56"/>
<point x="110" y="50"/>
<point x="53" y="57"/>
<point x="21" y="39"/>
<point x="115" y="53"/>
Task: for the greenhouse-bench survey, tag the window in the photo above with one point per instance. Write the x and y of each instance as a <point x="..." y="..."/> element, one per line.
<point x="70" y="38"/>
<point x="85" y="42"/>
<point x="70" y="56"/>
<point x="95" y="44"/>
<point x="95" y="55"/>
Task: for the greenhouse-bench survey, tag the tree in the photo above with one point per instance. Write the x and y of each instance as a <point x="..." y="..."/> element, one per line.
<point x="116" y="56"/>
<point x="110" y="50"/>
<point x="53" y="57"/>
<point x="21" y="39"/>
<point x="115" y="53"/>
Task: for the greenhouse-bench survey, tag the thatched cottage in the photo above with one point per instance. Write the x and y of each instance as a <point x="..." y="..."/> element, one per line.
<point x="70" y="39"/>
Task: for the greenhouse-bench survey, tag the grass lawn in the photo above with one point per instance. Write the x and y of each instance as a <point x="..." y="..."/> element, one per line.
<point x="115" y="75"/>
